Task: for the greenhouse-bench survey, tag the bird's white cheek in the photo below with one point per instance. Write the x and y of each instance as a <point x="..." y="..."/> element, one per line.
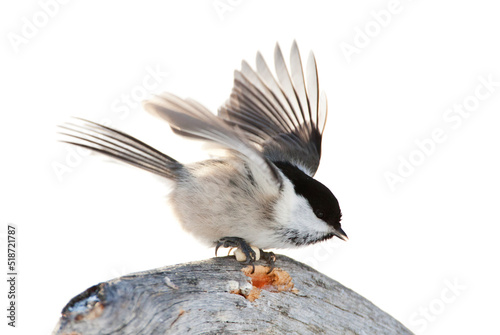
<point x="303" y="218"/>
<point x="294" y="212"/>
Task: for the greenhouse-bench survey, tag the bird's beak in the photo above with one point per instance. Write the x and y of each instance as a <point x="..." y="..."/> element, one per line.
<point x="341" y="234"/>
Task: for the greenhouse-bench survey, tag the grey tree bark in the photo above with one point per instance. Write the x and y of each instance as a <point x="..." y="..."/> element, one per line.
<point x="218" y="296"/>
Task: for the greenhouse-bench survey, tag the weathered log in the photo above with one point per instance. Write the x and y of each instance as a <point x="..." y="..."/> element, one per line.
<point x="218" y="296"/>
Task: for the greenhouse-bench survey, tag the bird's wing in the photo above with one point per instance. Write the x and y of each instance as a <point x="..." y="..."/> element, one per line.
<point x="284" y="115"/>
<point x="189" y="118"/>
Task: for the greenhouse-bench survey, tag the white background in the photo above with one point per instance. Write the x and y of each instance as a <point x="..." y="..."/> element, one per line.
<point x="99" y="220"/>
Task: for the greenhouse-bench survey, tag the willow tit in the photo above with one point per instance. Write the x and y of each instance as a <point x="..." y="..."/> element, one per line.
<point x="261" y="192"/>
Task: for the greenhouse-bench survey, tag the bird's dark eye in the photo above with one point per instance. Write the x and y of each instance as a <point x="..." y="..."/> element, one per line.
<point x="319" y="213"/>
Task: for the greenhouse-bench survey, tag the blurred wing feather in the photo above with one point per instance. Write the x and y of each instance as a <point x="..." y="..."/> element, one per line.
<point x="189" y="118"/>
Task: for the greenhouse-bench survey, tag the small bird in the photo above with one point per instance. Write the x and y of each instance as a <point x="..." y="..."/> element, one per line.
<point x="259" y="193"/>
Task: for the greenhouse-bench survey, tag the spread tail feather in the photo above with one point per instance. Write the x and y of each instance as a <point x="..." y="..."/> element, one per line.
<point x="121" y="146"/>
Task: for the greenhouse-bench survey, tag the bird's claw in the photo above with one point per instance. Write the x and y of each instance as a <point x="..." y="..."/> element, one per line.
<point x="238" y="242"/>
<point x="270" y="259"/>
<point x="251" y="257"/>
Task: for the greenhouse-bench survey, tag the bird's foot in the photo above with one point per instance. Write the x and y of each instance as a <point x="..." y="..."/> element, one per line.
<point x="247" y="251"/>
<point x="270" y="259"/>
<point x="237" y="242"/>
